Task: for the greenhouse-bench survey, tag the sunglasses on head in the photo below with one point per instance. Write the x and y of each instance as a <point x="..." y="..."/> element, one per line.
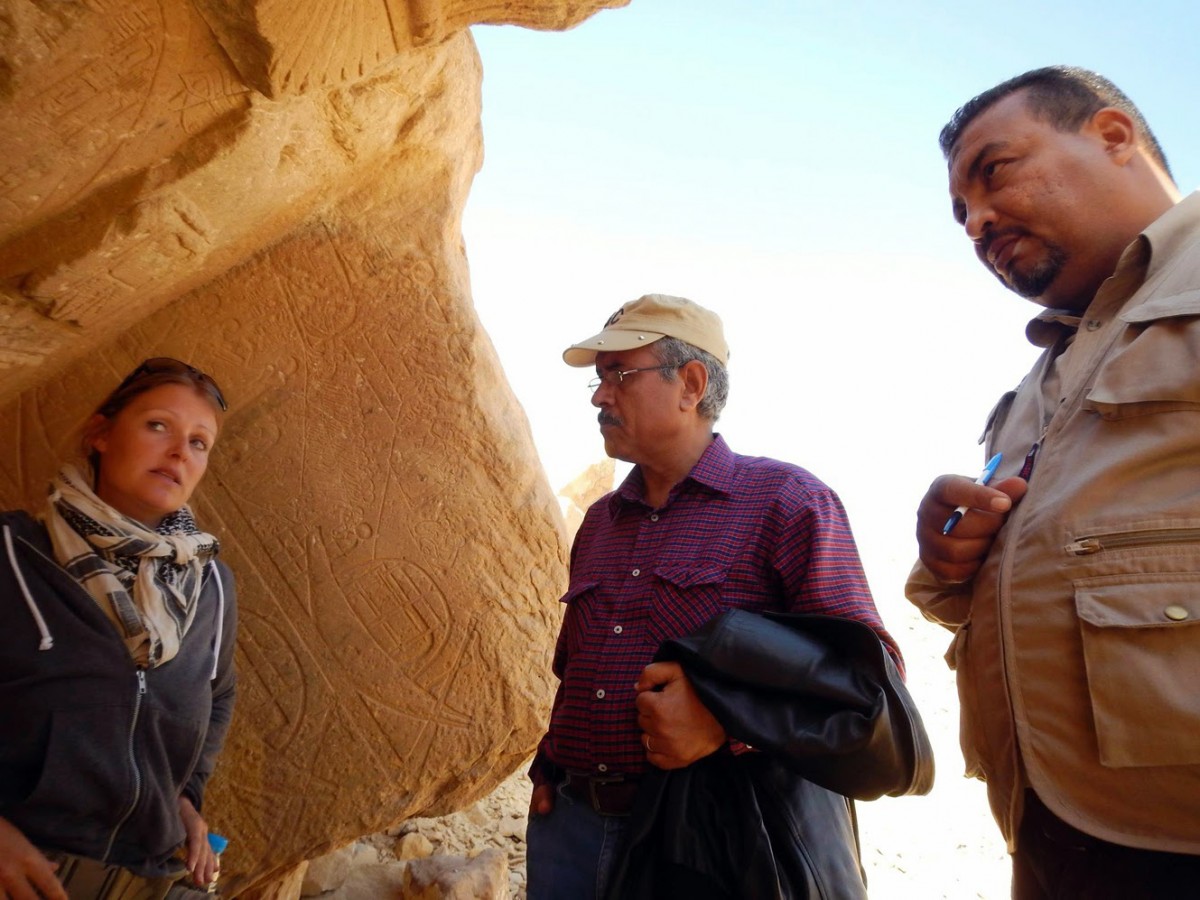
<point x="166" y="365"/>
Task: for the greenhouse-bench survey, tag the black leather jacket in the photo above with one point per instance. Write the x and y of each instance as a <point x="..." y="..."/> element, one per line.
<point x="822" y="704"/>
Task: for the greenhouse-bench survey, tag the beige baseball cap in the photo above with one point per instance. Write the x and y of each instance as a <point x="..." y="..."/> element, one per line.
<point x="648" y="319"/>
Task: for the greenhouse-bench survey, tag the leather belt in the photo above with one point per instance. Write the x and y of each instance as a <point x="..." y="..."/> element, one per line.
<point x="609" y="795"/>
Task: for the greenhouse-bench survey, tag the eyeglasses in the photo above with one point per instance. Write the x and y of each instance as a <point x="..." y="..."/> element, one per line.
<point x="166" y="365"/>
<point x="614" y="379"/>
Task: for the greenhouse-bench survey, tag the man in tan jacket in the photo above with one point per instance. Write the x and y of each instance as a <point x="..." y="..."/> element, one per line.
<point x="1072" y="581"/>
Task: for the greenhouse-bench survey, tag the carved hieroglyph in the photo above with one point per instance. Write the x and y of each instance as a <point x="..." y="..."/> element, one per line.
<point x="276" y="197"/>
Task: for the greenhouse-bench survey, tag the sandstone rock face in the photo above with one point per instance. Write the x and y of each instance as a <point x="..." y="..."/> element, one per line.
<point x="446" y="878"/>
<point x="588" y="487"/>
<point x="328" y="872"/>
<point x="284" y="886"/>
<point x="260" y="35"/>
<point x="273" y="191"/>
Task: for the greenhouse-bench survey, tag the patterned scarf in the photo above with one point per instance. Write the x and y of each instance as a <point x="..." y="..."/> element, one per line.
<point x="147" y="582"/>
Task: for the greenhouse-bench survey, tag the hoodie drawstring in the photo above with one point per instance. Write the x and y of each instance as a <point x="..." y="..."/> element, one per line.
<point x="47" y="640"/>
<point x="220" y="619"/>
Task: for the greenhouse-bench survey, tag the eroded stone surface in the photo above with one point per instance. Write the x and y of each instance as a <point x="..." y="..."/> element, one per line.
<point x="259" y="34"/>
<point x="397" y="549"/>
<point x="482" y="877"/>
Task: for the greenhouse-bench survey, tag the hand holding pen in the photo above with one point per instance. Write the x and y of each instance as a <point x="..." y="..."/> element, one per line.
<point x="984" y="477"/>
<point x="951" y="551"/>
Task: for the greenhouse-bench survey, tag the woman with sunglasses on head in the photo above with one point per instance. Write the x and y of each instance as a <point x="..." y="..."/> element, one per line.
<point x="116" y="656"/>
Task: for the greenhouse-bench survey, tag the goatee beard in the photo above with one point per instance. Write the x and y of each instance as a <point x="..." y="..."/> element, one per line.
<point x="1034" y="282"/>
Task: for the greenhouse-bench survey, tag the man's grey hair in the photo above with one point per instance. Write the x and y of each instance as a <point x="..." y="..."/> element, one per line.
<point x="673" y="352"/>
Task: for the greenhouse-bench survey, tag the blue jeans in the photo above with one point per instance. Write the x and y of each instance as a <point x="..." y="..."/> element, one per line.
<point x="570" y="854"/>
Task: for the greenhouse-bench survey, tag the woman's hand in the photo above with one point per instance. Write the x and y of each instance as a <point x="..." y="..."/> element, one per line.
<point x="24" y="873"/>
<point x="202" y="863"/>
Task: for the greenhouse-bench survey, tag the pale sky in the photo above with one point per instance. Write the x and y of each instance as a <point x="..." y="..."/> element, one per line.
<point x="778" y="163"/>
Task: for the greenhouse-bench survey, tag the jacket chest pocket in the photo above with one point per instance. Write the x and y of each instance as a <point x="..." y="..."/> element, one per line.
<point x="684" y="597"/>
<point x="998" y="416"/>
<point x="1155" y="371"/>
<point x="1141" y="645"/>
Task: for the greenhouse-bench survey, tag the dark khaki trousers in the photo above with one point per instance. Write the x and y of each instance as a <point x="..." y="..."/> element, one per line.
<point x="1055" y="861"/>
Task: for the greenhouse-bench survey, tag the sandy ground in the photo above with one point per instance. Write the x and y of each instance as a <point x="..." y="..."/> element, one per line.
<point x="944" y="845"/>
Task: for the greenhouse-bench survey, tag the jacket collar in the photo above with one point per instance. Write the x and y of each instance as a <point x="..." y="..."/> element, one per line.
<point x="1163" y="239"/>
<point x="1169" y="234"/>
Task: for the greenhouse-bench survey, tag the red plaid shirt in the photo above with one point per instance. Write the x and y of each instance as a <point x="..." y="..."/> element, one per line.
<point x="739" y="531"/>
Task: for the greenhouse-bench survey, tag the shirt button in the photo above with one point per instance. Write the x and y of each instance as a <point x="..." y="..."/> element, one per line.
<point x="1093" y="324"/>
<point x="600" y="694"/>
<point x="636" y="572"/>
<point x="602" y="767"/>
<point x="653" y="517"/>
<point x="1176" y="613"/>
<point x="617" y="629"/>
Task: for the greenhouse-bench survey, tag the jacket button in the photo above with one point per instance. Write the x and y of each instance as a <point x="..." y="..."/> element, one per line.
<point x="1176" y="613"/>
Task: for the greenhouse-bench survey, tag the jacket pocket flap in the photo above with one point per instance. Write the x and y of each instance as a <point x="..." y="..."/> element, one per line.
<point x="1143" y="601"/>
<point x="1153" y="373"/>
<point x="1186" y="303"/>
<point x="998" y="413"/>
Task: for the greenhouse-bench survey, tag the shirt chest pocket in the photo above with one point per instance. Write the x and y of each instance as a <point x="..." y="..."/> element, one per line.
<point x="1155" y="370"/>
<point x="684" y="597"/>
<point x="579" y="600"/>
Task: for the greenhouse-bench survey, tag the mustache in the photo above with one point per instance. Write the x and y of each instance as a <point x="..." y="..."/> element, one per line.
<point x="995" y="234"/>
<point x="607" y="419"/>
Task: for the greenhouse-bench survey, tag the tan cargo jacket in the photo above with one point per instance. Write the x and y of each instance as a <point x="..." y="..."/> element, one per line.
<point x="1077" y="645"/>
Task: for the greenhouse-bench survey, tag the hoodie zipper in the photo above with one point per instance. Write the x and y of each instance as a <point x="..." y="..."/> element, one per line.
<point x="1095" y="543"/>
<point x="137" y="775"/>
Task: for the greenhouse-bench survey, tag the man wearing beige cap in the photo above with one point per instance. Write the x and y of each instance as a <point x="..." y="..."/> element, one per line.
<point x="694" y="530"/>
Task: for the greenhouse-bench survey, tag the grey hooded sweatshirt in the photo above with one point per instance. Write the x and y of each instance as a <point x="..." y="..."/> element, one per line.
<point x="95" y="752"/>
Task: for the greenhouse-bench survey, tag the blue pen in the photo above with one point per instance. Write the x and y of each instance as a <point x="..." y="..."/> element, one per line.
<point x="984" y="477"/>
